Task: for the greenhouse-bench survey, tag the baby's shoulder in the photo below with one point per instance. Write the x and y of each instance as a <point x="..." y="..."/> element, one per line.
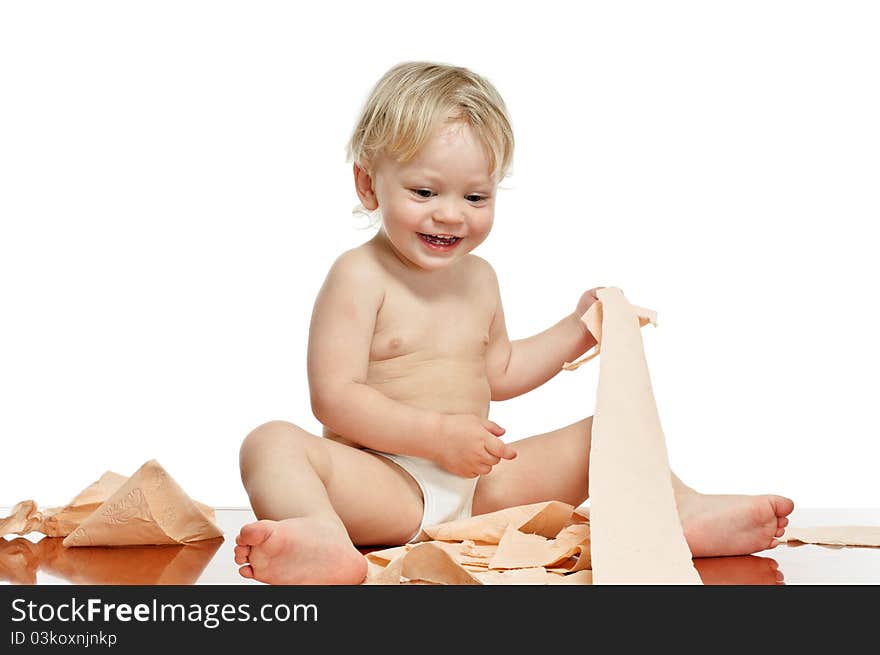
<point x="357" y="272"/>
<point x="481" y="270"/>
<point x="358" y="261"/>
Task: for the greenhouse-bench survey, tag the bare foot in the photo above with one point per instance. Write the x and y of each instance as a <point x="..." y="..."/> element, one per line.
<point x="307" y="551"/>
<point x="716" y="525"/>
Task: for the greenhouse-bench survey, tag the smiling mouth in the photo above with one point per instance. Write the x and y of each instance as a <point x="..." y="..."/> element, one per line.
<point x="439" y="240"/>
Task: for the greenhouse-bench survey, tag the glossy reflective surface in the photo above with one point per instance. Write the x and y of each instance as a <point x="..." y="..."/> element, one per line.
<point x="40" y="560"/>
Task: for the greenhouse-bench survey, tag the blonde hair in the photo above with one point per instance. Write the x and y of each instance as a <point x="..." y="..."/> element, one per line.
<point x="413" y="97"/>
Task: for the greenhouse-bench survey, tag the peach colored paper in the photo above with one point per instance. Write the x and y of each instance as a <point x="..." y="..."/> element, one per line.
<point x="542" y="543"/>
<point x="61" y="521"/>
<point x="149" y="508"/>
<point x="593" y="321"/>
<point x="835" y="535"/>
<point x="636" y="534"/>
<point x="545" y="518"/>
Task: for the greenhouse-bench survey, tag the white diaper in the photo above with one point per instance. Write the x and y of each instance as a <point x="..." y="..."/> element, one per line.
<point x="447" y="496"/>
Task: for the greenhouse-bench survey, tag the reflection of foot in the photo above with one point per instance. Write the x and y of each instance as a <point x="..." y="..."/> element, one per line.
<point x="19" y="560"/>
<point x="738" y="570"/>
<point x="716" y="525"/>
<point x="308" y="550"/>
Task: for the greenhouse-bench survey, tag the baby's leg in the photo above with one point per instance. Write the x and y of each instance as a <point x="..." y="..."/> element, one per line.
<point x="315" y="499"/>
<point x="556" y="465"/>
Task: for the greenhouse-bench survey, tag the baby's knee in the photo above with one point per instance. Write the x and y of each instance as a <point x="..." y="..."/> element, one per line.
<point x="268" y="439"/>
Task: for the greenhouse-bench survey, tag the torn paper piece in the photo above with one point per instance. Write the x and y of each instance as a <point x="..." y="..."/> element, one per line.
<point x="61" y="521"/>
<point x="150" y="508"/>
<point x="631" y="492"/>
<point x="534" y="575"/>
<point x="389" y="574"/>
<point x="835" y="535"/>
<point x="545" y="518"/>
<point x="23" y="519"/>
<point x="385" y="556"/>
<point x="431" y="563"/>
<point x="580" y="515"/>
<point x="519" y="558"/>
<point x="517" y="550"/>
<point x="581" y="577"/>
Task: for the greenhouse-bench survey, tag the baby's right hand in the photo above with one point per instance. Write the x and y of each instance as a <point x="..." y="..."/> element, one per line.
<point x="469" y="446"/>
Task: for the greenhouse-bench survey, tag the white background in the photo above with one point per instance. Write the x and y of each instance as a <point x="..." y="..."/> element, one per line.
<point x="173" y="188"/>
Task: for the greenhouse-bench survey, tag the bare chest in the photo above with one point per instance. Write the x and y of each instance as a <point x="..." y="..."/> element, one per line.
<point x="447" y="326"/>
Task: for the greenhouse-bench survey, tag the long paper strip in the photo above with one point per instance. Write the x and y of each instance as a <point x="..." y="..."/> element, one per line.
<point x="636" y="534"/>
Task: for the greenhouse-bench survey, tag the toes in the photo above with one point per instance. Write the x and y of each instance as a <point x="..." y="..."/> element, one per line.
<point x="781" y="505"/>
<point x="253" y="534"/>
<point x="781" y="522"/>
<point x="774" y="543"/>
<point x="242" y="553"/>
<point x="246" y="572"/>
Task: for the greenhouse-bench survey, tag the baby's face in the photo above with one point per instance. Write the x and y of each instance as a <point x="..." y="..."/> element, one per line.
<point x="438" y="206"/>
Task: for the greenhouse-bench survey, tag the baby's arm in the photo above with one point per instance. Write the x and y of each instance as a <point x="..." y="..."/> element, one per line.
<point x="341" y="332"/>
<point x="515" y="367"/>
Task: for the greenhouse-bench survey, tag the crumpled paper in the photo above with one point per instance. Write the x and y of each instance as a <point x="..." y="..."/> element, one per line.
<point x="149" y="508"/>
<point x="541" y="543"/>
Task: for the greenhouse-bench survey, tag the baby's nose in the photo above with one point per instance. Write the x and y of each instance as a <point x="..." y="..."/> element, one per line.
<point x="449" y="212"/>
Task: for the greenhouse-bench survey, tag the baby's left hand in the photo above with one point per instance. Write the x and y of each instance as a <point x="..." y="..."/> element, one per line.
<point x="586" y="301"/>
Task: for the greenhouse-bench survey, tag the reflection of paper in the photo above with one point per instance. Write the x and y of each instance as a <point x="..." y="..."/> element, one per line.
<point x="19" y="561"/>
<point x="835" y="535"/>
<point x="146" y="509"/>
<point x="125" y="565"/>
<point x="636" y="534"/>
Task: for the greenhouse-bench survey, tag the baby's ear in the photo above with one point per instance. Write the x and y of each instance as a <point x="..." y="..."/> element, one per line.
<point x="363" y="184"/>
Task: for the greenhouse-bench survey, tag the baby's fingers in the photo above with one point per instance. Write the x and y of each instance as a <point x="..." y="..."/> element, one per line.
<point x="500" y="449"/>
<point x="494" y="428"/>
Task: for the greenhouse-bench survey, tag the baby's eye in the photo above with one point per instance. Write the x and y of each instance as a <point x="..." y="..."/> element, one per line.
<point x="423" y="193"/>
<point x="474" y="198"/>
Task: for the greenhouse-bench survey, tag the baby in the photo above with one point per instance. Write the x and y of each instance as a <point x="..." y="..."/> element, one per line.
<point x="407" y="347"/>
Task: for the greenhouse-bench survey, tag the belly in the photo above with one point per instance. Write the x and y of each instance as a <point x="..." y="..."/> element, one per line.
<point x="442" y="385"/>
<point x="447" y="386"/>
